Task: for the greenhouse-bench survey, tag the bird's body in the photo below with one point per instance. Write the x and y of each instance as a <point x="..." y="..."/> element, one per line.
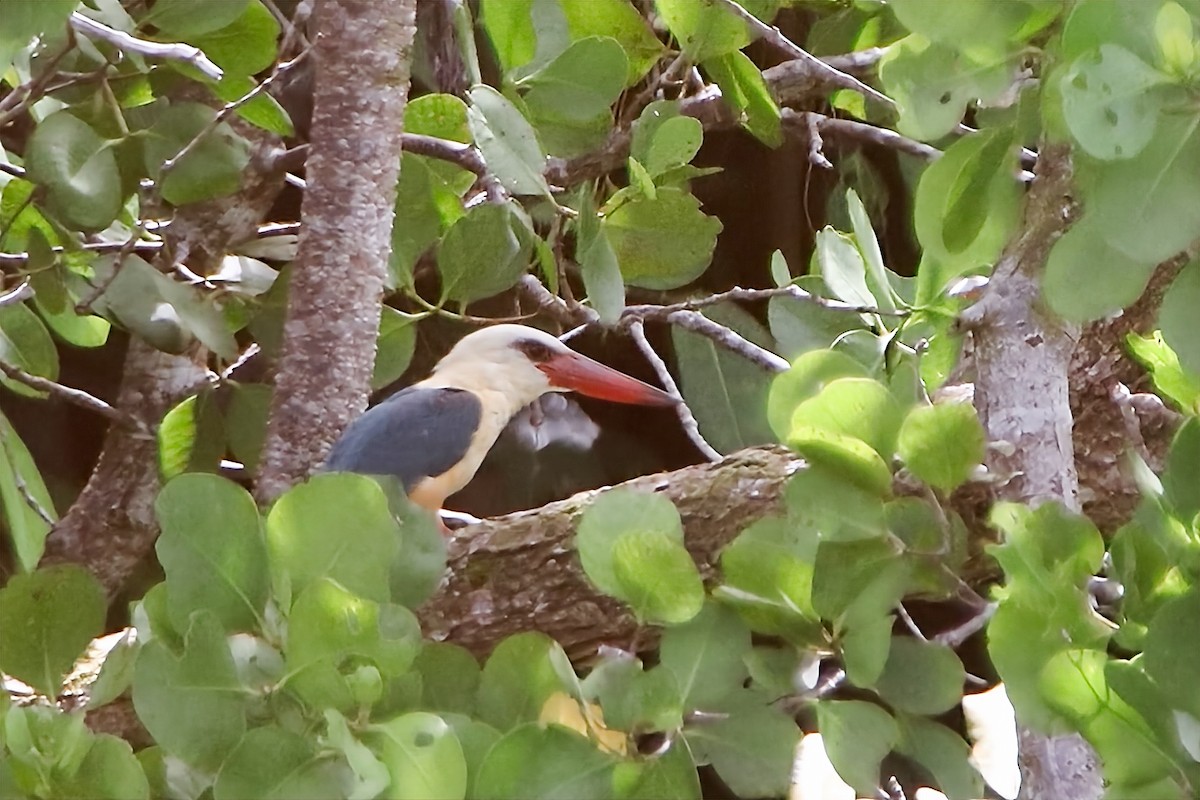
<point x="434" y="435"/>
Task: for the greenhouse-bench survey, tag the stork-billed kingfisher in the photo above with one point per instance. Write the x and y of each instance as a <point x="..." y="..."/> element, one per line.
<point x="434" y="434"/>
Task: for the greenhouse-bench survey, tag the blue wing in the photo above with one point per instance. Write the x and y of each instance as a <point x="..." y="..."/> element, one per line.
<point x="416" y="433"/>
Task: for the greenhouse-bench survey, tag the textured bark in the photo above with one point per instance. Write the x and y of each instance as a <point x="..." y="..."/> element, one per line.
<point x="1022" y="363"/>
<point x="520" y="572"/>
<point x="362" y="62"/>
<point x="111" y="526"/>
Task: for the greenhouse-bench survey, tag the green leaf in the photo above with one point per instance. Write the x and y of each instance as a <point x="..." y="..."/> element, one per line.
<point x="932" y="83"/>
<point x="602" y="279"/>
<point x="213" y="168"/>
<point x="703" y="30"/>
<point x="544" y="764"/>
<point x="48" y="617"/>
<point x="725" y="391"/>
<point x="1086" y="279"/>
<point x="857" y="407"/>
<point x="921" y="677"/>
<point x="857" y="736"/>
<point x="192" y="704"/>
<point x="246" y="46"/>
<point x="771" y="573"/>
<point x="1173" y="29"/>
<point x="449" y="677"/>
<point x="1109" y="103"/>
<point x="706" y="656"/>
<point x="1170" y="644"/>
<point x="109" y="771"/>
<point x="116" y="673"/>
<point x="865" y="573"/>
<point x="663" y="140"/>
<point x="1073" y="683"/>
<point x="25" y="344"/>
<point x="212" y="551"/>
<point x="1170" y="378"/>
<point x="670" y="776"/>
<point x="967" y="203"/>
<point x="657" y="576"/>
<point x="423" y="210"/>
<point x="81" y="330"/>
<point x="1181" y="483"/>
<point x="663" y="243"/>
<point x="26" y="528"/>
<point x="808" y="375"/>
<point x="633" y="699"/>
<point x="1176" y="317"/>
<point x="1145" y="206"/>
<point x="184" y="18"/>
<point x="942" y="443"/>
<point x="421" y="564"/>
<point x="846" y="456"/>
<point x="424" y="758"/>
<point x="878" y="276"/>
<point x="581" y="82"/>
<point x="394" y="347"/>
<point x="943" y="753"/>
<point x="825" y="501"/>
<point x="613" y="514"/>
<point x="842" y="268"/>
<point x="304" y="543"/>
<point x="23" y="21"/>
<point x="78" y="169"/>
<point x="751" y="749"/>
<point x="620" y="20"/>
<point x="519" y="676"/>
<point x="276" y="764"/>
<point x="742" y="86"/>
<point x="246" y="422"/>
<point x="331" y="631"/>
<point x="481" y="254"/>
<point x="507" y="141"/>
<point x="515" y="34"/>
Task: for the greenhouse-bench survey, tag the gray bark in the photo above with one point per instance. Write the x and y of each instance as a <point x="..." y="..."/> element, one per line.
<point x="362" y="71"/>
<point x="1022" y="361"/>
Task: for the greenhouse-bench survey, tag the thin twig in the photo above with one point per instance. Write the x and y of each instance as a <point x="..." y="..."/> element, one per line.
<point x="909" y="622"/>
<point x="637" y="330"/>
<point x="225" y="112"/>
<point x="698" y="323"/>
<point x="74" y="396"/>
<point x="816" y="146"/>
<point x="12" y="169"/>
<point x="462" y="155"/>
<point x="960" y="633"/>
<point x="776" y="37"/>
<point x="15" y="102"/>
<point x="23" y="292"/>
<point x="852" y="129"/>
<point x="749" y="295"/>
<point x="177" y="51"/>
<point x="554" y="306"/>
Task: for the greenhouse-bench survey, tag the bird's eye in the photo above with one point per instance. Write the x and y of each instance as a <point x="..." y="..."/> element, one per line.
<point x="534" y="351"/>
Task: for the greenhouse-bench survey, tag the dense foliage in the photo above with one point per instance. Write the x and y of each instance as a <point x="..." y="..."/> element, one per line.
<point x="280" y="656"/>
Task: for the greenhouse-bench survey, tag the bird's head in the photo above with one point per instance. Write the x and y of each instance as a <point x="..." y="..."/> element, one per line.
<point x="525" y="363"/>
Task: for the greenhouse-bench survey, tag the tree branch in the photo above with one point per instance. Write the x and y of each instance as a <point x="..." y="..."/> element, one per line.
<point x="178" y="51"/>
<point x="76" y="397"/>
<point x="637" y="330"/>
<point x="328" y="351"/>
<point x="519" y="572"/>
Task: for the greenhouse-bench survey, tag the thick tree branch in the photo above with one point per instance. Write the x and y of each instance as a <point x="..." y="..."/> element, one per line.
<point x="361" y="86"/>
<point x="520" y="572"/>
<point x="1022" y="363"/>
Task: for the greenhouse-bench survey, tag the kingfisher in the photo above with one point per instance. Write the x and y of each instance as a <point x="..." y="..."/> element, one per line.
<point x="434" y="434"/>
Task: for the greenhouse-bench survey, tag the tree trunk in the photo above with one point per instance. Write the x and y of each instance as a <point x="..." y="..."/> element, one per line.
<point x="362" y="71"/>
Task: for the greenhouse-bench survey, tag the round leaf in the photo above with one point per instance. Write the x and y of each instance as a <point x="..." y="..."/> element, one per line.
<point x="858" y="407"/>
<point x="857" y="736"/>
<point x="846" y="456"/>
<point x="921" y="677"/>
<point x="663" y="243"/>
<point x="275" y="764"/>
<point x="807" y="376"/>
<point x="942" y="443"/>
<point x="78" y="169"/>
<point x="544" y="764"/>
<point x="424" y="758"/>
<point x="657" y="576"/>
